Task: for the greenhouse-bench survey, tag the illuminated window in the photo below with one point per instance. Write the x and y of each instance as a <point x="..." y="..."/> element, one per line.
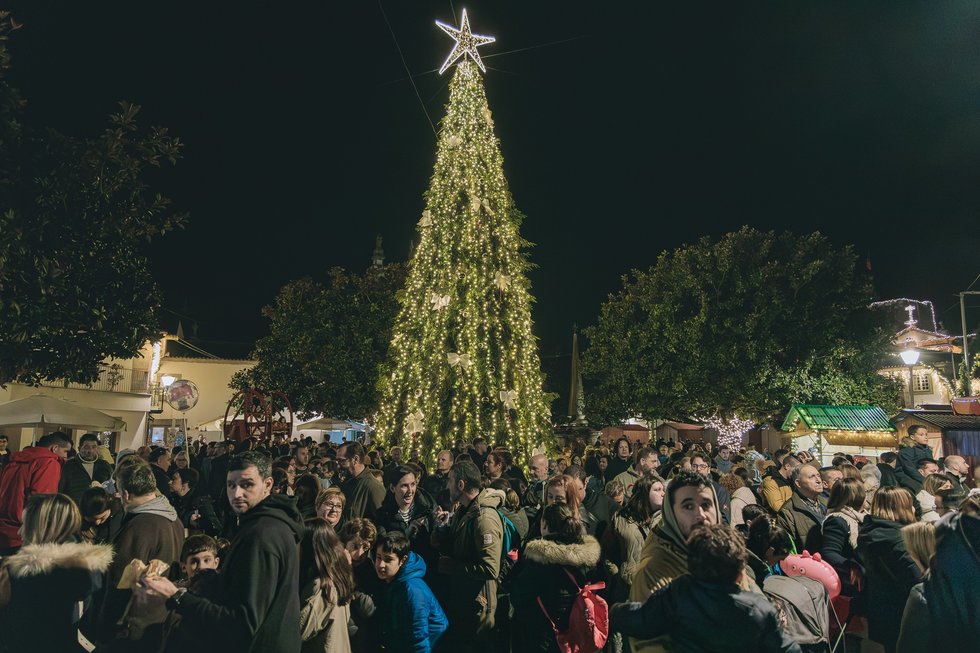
<point x="923" y="382"/>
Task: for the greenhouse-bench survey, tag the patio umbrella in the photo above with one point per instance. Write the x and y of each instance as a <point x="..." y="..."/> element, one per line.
<point x="38" y="411"/>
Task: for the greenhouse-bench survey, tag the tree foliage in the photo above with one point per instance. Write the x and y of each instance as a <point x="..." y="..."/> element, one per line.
<point x="744" y="325"/>
<point x="75" y="217"/>
<point x="464" y="360"/>
<point x="327" y="343"/>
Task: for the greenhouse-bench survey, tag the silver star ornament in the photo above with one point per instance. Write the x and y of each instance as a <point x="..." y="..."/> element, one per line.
<point x="466" y="43"/>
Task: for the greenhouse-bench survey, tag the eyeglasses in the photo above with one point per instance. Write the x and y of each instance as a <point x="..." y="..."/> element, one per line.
<point x="701" y="466"/>
<point x="332" y="507"/>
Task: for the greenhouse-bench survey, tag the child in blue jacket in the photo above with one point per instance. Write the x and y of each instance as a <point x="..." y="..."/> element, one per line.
<point x="413" y="620"/>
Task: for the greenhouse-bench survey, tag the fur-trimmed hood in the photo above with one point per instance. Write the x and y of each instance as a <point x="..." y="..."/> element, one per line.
<point x="550" y="552"/>
<point x="41" y="559"/>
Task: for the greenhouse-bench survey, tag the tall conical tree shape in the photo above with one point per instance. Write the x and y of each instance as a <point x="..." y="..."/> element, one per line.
<point x="463" y="361"/>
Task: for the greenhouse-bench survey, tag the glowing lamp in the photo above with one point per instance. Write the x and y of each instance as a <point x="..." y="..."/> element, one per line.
<point x="910" y="356"/>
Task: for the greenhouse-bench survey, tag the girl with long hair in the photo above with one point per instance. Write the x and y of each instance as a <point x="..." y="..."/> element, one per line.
<point x="327" y="591"/>
<point x="623" y="540"/>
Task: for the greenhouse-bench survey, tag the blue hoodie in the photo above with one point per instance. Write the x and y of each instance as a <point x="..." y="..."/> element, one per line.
<point x="413" y="621"/>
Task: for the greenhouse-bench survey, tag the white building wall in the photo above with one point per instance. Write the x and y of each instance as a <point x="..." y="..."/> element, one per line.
<point x="211" y="376"/>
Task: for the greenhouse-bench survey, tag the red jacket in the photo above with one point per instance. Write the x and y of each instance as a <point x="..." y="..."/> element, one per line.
<point x="36" y="470"/>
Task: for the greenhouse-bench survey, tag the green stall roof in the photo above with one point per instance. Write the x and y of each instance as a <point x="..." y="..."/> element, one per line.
<point x="844" y="418"/>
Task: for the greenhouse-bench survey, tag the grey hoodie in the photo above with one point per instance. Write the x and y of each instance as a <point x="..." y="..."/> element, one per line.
<point x="157" y="506"/>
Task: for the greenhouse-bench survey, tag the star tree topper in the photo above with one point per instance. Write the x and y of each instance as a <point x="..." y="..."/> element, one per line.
<point x="466" y="43"/>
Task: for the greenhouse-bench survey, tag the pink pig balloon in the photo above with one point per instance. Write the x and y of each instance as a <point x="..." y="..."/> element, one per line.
<point x="813" y="567"/>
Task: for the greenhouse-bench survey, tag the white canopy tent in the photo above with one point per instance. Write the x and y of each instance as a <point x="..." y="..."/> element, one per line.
<point x="325" y="424"/>
<point x="40" y="411"/>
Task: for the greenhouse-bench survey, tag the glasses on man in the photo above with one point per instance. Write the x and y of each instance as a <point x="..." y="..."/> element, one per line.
<point x="332" y="507"/>
<point x="701" y="467"/>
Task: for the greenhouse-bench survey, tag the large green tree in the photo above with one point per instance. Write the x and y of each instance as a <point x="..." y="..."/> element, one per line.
<point x="326" y="343"/>
<point x="76" y="215"/>
<point x="743" y="325"/>
<point x="463" y="360"/>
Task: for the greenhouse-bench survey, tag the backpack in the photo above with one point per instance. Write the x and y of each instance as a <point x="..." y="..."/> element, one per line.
<point x="510" y="547"/>
<point x="588" y="620"/>
<point x="802" y="607"/>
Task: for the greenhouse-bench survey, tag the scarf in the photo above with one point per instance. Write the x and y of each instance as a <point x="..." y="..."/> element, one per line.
<point x="853" y="519"/>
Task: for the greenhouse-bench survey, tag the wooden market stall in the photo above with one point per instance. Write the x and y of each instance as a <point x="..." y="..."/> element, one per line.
<point x="862" y="431"/>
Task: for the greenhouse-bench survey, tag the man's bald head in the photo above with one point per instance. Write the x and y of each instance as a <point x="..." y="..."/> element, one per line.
<point x="539" y="466"/>
<point x="957" y="465"/>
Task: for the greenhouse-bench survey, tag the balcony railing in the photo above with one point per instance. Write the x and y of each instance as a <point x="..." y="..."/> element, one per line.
<point x="111" y="379"/>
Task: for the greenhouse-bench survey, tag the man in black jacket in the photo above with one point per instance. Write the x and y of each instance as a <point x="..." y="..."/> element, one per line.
<point x="160" y="460"/>
<point x="86" y="468"/>
<point x="254" y="605"/>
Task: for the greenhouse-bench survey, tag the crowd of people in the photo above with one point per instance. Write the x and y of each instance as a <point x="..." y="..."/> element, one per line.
<point x="303" y="546"/>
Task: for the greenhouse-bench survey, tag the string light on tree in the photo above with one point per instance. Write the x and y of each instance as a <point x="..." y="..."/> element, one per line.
<point x="463" y="360"/>
<point x="730" y="431"/>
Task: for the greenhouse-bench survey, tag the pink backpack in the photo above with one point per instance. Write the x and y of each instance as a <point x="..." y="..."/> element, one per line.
<point x="588" y="621"/>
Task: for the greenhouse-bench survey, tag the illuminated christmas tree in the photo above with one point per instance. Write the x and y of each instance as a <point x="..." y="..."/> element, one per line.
<point x="463" y="361"/>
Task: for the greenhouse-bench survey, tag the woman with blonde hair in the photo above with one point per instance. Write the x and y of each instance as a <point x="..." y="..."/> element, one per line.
<point x="49" y="577"/>
<point x="330" y="505"/>
<point x="916" y="632"/>
<point x="890" y="572"/>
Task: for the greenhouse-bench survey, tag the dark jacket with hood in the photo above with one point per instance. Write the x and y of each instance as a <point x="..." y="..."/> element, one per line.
<point x="413" y="621"/>
<point x="417" y="530"/>
<point x="909" y="457"/>
<point x="953" y="589"/>
<point x="890" y="575"/>
<point x="542" y="573"/>
<point x="254" y="606"/>
<point x="46" y="583"/>
<point x="687" y="607"/>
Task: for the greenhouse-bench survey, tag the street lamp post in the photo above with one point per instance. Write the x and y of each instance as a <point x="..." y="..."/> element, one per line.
<point x="910" y="357"/>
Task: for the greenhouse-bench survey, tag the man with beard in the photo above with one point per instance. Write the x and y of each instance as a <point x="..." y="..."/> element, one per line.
<point x="84" y="470"/>
<point x="254" y="603"/>
<point x="363" y="491"/>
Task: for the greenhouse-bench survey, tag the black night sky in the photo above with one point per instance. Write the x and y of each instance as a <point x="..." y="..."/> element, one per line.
<point x="626" y="128"/>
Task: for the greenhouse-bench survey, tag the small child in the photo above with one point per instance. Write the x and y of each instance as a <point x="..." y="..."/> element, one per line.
<point x="200" y="553"/>
<point x="412" y="619"/>
<point x="709" y="594"/>
<point x="199" y="568"/>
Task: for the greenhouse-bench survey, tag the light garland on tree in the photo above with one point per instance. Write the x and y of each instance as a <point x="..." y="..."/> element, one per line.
<point x="730" y="431"/>
<point x="463" y="359"/>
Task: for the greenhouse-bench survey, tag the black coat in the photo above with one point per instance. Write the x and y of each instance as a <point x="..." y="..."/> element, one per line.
<point x="418" y="530"/>
<point x="888" y="477"/>
<point x="953" y="589"/>
<point x="909" y="457"/>
<point x="207" y="522"/>
<point x="690" y="610"/>
<point x="254" y="606"/>
<point x="890" y="575"/>
<point x="75" y="480"/>
<point x="836" y="550"/>
<point x="542" y="573"/>
<point x="46" y="583"/>
<point x="163" y="481"/>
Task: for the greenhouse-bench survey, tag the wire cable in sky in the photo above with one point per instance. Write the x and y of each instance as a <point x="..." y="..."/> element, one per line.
<point x="404" y="63"/>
